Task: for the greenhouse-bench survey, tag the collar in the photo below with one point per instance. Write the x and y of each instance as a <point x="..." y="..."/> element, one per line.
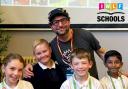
<point x="120" y="75"/>
<point x="5" y="86"/>
<point x="84" y="84"/>
<point x="114" y="79"/>
<point x="45" y="67"/>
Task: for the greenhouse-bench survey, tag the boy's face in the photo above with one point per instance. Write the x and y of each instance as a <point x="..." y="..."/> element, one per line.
<point x="81" y="66"/>
<point x="13" y="71"/>
<point x="113" y="64"/>
<point x="42" y="53"/>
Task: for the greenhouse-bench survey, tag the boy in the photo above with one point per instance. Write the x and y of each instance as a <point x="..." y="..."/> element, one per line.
<point x="81" y="63"/>
<point x="114" y="78"/>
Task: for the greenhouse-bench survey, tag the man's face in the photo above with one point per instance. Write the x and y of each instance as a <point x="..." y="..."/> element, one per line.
<point x="60" y="25"/>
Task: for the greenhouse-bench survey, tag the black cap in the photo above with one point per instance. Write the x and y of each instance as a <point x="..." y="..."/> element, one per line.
<point x="57" y="12"/>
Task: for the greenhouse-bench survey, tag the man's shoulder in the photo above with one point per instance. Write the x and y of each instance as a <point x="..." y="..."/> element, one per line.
<point x="81" y="31"/>
<point x="53" y="41"/>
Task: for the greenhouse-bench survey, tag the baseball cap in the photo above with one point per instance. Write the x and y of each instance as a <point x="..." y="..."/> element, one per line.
<point x="57" y="12"/>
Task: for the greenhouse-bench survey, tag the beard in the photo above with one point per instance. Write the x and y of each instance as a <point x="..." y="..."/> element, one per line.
<point x="61" y="33"/>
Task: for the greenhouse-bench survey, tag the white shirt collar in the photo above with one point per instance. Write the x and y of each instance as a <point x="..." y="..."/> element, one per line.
<point x="85" y="84"/>
<point x="8" y="87"/>
<point x="45" y="67"/>
<point x="117" y="82"/>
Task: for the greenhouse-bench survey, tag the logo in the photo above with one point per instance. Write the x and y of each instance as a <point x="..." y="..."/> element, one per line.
<point x="110" y="12"/>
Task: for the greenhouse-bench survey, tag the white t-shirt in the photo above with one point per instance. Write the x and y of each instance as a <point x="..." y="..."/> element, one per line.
<point x="72" y="83"/>
<point x="118" y="83"/>
<point x="21" y="85"/>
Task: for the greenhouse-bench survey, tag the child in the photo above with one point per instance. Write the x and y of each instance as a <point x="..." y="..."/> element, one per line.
<point x="47" y="74"/>
<point x="114" y="78"/>
<point x="81" y="63"/>
<point x="12" y="68"/>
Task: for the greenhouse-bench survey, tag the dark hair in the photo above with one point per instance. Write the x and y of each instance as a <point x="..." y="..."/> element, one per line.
<point x="112" y="53"/>
<point x="80" y="53"/>
<point x="13" y="56"/>
<point x="57" y="12"/>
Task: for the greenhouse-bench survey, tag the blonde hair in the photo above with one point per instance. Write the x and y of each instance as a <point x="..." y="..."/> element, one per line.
<point x="38" y="42"/>
<point x="80" y="53"/>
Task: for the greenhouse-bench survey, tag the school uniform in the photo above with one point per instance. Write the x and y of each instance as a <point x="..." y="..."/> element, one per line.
<point x="90" y="83"/>
<point x="45" y="78"/>
<point x="21" y="85"/>
<point x="114" y="83"/>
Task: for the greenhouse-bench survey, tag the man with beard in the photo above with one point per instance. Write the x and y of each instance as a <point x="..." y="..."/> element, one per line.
<point x="67" y="39"/>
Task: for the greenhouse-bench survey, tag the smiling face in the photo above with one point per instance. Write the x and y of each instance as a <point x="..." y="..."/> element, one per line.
<point x="60" y="25"/>
<point x="113" y="64"/>
<point x="42" y="53"/>
<point x="13" y="71"/>
<point x="81" y="66"/>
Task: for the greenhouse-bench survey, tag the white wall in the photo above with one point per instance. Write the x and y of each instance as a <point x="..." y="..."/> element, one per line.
<point x="117" y="40"/>
<point x="39" y="15"/>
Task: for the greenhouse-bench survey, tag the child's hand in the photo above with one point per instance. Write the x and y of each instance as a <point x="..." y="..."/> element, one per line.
<point x="28" y="71"/>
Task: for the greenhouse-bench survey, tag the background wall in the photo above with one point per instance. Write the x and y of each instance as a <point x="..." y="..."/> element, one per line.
<point x="39" y="15"/>
<point x="21" y="42"/>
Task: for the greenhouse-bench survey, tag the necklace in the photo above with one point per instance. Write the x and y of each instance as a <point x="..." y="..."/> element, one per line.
<point x="64" y="58"/>
<point x="122" y="83"/>
<point x="90" y="84"/>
